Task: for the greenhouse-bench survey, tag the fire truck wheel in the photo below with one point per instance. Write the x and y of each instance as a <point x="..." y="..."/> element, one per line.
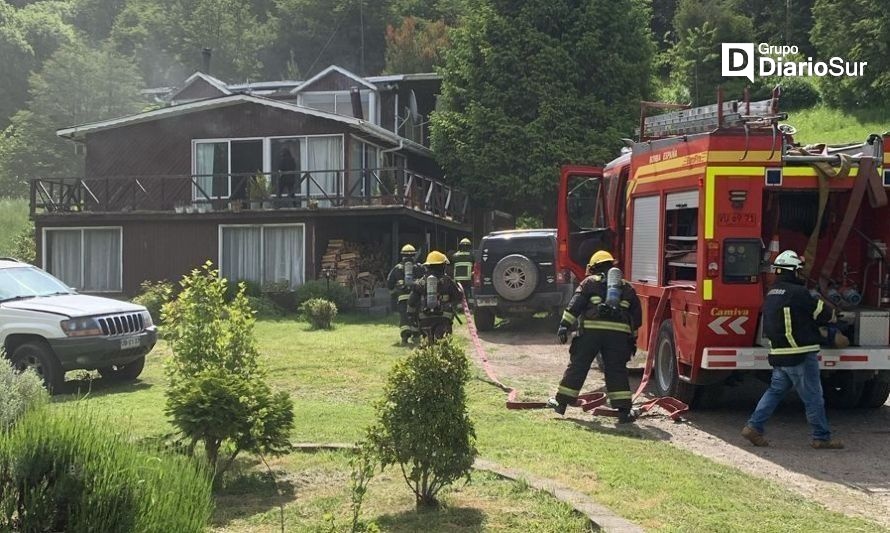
<point x="667" y="380"/>
<point x="484" y="319"/>
<point x="842" y="391"/>
<point x="515" y="277"/>
<point x="875" y="393"/>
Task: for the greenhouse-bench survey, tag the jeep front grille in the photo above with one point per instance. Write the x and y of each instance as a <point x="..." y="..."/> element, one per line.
<point x="122" y="324"/>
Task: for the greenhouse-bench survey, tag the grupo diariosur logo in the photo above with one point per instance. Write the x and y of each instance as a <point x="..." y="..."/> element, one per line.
<point x="738" y="60"/>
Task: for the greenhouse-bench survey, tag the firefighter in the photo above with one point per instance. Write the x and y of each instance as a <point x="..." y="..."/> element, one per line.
<point x="791" y="320"/>
<point x="431" y="304"/>
<point x="604" y="327"/>
<point x="400" y="280"/>
<point x="462" y="264"/>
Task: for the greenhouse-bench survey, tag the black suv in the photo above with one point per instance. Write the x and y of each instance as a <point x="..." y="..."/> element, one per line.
<point x="515" y="275"/>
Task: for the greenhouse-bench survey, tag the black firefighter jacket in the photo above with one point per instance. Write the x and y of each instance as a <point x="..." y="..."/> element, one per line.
<point x="584" y="307"/>
<point x="791" y="320"/>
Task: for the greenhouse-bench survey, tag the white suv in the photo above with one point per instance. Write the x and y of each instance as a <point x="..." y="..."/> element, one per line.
<point x="46" y="326"/>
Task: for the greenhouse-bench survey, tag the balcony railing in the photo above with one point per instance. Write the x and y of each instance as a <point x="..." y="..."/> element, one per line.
<point x="328" y="189"/>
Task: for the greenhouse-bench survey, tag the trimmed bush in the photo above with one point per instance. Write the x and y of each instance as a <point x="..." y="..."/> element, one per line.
<point x="264" y="307"/>
<point x="422" y="421"/>
<point x="217" y="392"/>
<point x="20" y="392"/>
<point x="319" y="313"/>
<point x="153" y="295"/>
<point x="342" y="296"/>
<point x="63" y="470"/>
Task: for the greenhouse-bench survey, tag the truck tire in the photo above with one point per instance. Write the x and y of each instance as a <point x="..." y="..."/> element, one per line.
<point x="666" y="381"/>
<point x="39" y="357"/>
<point x="875" y="393"/>
<point x="842" y="391"/>
<point x="123" y="373"/>
<point x="515" y="277"/>
<point x="484" y="319"/>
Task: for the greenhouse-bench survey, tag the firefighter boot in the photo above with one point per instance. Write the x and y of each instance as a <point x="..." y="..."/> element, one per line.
<point x="827" y="444"/>
<point x="626" y="416"/>
<point x="558" y="408"/>
<point x="754" y="436"/>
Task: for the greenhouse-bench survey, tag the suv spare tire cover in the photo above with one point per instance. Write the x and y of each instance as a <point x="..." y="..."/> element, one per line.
<point x="515" y="277"/>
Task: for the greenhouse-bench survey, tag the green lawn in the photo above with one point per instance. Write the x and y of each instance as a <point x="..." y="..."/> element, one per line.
<point x="13" y="219"/>
<point x="334" y="377"/>
<point x="826" y="125"/>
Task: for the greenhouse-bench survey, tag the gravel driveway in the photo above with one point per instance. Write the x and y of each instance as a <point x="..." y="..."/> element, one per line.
<point x="854" y="481"/>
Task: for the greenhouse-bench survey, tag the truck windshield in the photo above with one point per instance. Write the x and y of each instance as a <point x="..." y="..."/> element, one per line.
<point x="18" y="283"/>
<point x="584" y="202"/>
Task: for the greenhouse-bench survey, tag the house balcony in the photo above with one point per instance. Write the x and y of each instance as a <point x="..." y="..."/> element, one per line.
<point x="328" y="190"/>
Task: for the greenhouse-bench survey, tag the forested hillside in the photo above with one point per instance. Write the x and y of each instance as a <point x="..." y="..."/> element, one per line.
<point x="526" y="85"/>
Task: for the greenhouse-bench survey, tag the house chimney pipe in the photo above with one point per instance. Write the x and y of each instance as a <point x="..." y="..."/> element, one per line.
<point x="356" y="96"/>
<point x="206" y="53"/>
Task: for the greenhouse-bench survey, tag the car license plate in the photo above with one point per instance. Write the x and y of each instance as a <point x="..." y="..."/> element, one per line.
<point x="129" y="343"/>
<point x="486" y="301"/>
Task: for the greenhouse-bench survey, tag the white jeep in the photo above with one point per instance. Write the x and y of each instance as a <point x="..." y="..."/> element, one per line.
<point x="48" y="327"/>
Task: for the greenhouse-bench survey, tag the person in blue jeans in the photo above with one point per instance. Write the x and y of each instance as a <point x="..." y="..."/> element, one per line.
<point x="791" y="320"/>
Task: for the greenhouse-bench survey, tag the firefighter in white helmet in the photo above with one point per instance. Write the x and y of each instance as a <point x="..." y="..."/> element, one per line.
<point x="400" y="280"/>
<point x="604" y="326"/>
<point x="791" y="320"/>
<point x="432" y="301"/>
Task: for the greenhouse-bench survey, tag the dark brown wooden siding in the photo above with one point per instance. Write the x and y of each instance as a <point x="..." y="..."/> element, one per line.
<point x="387" y="111"/>
<point x="197" y="90"/>
<point x="332" y="81"/>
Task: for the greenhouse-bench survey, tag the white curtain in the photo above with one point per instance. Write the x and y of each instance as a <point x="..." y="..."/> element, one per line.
<point x="283" y="255"/>
<point x="323" y="153"/>
<point x="241" y="254"/>
<point x="204" y="169"/>
<point x="64" y="256"/>
<point x="102" y="260"/>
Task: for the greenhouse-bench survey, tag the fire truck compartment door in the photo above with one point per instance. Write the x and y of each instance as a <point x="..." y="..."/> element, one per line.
<point x="681" y="200"/>
<point x="646" y="252"/>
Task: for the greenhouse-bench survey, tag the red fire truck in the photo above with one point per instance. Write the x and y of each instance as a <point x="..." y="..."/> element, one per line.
<point x="695" y="210"/>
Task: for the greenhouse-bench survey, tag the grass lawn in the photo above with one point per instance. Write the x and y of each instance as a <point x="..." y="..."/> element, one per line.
<point x="334" y="377"/>
<point x="826" y="125"/>
<point x="13" y="219"/>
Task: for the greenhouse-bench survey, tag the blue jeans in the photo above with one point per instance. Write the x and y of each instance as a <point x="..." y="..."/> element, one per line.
<point x="805" y="380"/>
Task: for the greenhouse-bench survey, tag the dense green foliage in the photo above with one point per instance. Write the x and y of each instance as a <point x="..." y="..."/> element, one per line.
<point x="153" y="295"/>
<point x="21" y="392"/>
<point x="523" y="94"/>
<point x="319" y="313"/>
<point x="331" y="291"/>
<point x="15" y="224"/>
<point x="62" y="470"/>
<point x="423" y="424"/>
<point x="218" y="394"/>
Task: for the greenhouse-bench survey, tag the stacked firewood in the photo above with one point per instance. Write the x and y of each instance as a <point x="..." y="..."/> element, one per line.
<point x="360" y="267"/>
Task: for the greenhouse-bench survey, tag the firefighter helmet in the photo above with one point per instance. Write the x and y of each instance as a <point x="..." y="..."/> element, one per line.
<point x="465" y="242"/>
<point x="408" y="249"/>
<point x="436" y="258"/>
<point x="600" y="257"/>
<point x="788" y="260"/>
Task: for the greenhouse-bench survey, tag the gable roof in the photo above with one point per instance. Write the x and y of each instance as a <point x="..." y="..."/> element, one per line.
<point x="206" y="78"/>
<point x="78" y="132"/>
<point x="330" y="69"/>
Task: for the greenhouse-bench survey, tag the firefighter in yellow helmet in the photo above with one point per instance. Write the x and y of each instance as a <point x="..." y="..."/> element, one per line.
<point x="431" y="304"/>
<point x="399" y="282"/>
<point x="607" y="313"/>
<point x="462" y="266"/>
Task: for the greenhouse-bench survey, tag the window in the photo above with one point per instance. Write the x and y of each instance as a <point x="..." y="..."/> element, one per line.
<point x="366" y="175"/>
<point x="338" y="102"/>
<point x="88" y="259"/>
<point x="223" y="167"/>
<point x="585" y="202"/>
<point x="263" y="254"/>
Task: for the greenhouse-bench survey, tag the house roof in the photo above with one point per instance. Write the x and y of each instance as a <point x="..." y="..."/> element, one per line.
<point x="78" y="132"/>
<point x="214" y="82"/>
<point x="330" y="69"/>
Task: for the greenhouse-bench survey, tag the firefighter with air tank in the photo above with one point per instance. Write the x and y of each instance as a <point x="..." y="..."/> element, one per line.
<point x="462" y="266"/>
<point x="432" y="300"/>
<point x="400" y="281"/>
<point x="607" y="312"/>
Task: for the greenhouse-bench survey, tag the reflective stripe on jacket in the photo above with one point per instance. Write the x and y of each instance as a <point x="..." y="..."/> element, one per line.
<point x="791" y="319"/>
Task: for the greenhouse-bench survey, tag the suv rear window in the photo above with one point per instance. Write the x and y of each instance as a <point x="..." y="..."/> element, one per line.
<point x="518" y="244"/>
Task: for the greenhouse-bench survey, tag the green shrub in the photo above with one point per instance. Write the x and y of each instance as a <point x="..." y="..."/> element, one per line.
<point x="23" y="246"/>
<point x="20" y="392"/>
<point x="217" y="392"/>
<point x="319" y="313"/>
<point x="153" y="295"/>
<point x="63" y="470"/>
<point x="342" y="296"/>
<point x="264" y="307"/>
<point x="422" y="421"/>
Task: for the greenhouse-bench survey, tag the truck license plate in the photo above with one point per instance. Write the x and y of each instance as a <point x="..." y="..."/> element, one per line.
<point x="129" y="343"/>
<point x="486" y="301"/>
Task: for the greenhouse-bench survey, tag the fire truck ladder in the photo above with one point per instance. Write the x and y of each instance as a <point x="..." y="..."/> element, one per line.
<point x="707" y="118"/>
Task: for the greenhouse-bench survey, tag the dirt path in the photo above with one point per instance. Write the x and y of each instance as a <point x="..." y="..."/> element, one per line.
<point x="854" y="481"/>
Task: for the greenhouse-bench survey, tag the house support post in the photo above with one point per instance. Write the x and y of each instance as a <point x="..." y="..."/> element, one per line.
<point x="395" y="241"/>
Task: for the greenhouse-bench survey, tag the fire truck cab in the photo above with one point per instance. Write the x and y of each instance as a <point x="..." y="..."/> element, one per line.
<point x="697" y="209"/>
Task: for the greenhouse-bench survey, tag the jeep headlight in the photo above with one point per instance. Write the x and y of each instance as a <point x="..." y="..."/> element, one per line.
<point x="81" y="327"/>
<point x="146" y="319"/>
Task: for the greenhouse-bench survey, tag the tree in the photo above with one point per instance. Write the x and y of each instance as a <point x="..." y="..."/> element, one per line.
<point x="856" y="30"/>
<point x="787" y="22"/>
<point x="77" y="84"/>
<point x="530" y="86"/>
<point x="416" y="45"/>
<point x="701" y="27"/>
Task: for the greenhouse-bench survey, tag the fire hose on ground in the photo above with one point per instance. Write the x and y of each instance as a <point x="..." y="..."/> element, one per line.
<point x="594" y="402"/>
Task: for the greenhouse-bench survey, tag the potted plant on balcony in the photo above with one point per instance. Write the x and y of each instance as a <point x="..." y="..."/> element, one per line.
<point x="258" y="191"/>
